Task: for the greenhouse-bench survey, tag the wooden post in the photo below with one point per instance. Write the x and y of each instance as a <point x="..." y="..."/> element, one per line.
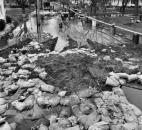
<point x="136" y="38"/>
<point x="113" y="29"/>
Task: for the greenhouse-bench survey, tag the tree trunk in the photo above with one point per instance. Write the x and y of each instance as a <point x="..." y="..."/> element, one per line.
<point x="136" y="7"/>
<point x="93" y="7"/>
<point x="123" y="7"/>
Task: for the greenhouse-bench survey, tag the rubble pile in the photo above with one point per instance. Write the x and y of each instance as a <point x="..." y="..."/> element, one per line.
<point x="63" y="90"/>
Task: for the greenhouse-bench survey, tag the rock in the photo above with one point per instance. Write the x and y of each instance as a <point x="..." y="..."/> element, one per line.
<point x="130" y="126"/>
<point x="106" y="58"/>
<point x="3" y="94"/>
<point x="73" y="128"/>
<point x="89" y="120"/>
<point x="99" y="102"/>
<point x="20" y="106"/>
<point x="122" y="82"/>
<point x="123" y="75"/>
<point x="87" y="107"/>
<point x="14" y="75"/>
<point x="41" y="101"/>
<point x="43" y="127"/>
<point x="116" y="127"/>
<point x="132" y="77"/>
<point x="7" y="65"/>
<point x="47" y="88"/>
<point x="22" y="59"/>
<point x="13" y="126"/>
<point x="5" y="126"/>
<point x="43" y="75"/>
<point x="39" y="70"/>
<point x="2" y="60"/>
<point x="118" y="59"/>
<point x="65" y="101"/>
<point x="112" y="81"/>
<point x="112" y="51"/>
<point x="76" y="111"/>
<point x="54" y="101"/>
<point x="136" y="110"/>
<point x="99" y="126"/>
<point x="73" y="120"/>
<point x="23" y="72"/>
<point x="55" y="126"/>
<point x="64" y="123"/>
<point x="53" y="119"/>
<point x="3" y="108"/>
<point x="118" y="91"/>
<point x="11" y="88"/>
<point x="104" y="50"/>
<point x="140" y="120"/>
<point x="128" y="113"/>
<point x="65" y="112"/>
<point x="25" y="84"/>
<point x="62" y="93"/>
<point x="12" y="58"/>
<point x="74" y="100"/>
<point x="28" y="66"/>
<point x="85" y="93"/>
<point x="2" y="101"/>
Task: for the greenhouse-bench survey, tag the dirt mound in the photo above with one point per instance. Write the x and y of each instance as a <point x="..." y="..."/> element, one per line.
<point x="72" y="70"/>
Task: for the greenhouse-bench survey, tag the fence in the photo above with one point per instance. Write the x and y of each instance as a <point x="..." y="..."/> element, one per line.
<point x="115" y="31"/>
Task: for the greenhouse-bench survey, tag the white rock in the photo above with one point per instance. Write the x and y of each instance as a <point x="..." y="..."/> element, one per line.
<point x="132" y="77"/>
<point x="104" y="50"/>
<point x="5" y="126"/>
<point x="2" y="60"/>
<point x="122" y="82"/>
<point x="22" y="59"/>
<point x="135" y="109"/>
<point x="100" y="126"/>
<point x="2" y="101"/>
<point x="25" y="84"/>
<point x="123" y="75"/>
<point x="112" y="81"/>
<point x="28" y="66"/>
<point x="106" y="58"/>
<point x="47" y="88"/>
<point x="43" y="75"/>
<point x="130" y="126"/>
<point x="43" y="127"/>
<point x="118" y="91"/>
<point x="73" y="128"/>
<point x="20" y="106"/>
<point x="115" y="75"/>
<point x="54" y="101"/>
<point x="39" y="70"/>
<point x="3" y="108"/>
<point x="62" y="93"/>
<point x="23" y="72"/>
<point x="12" y="58"/>
<point x="118" y="59"/>
<point x="112" y="51"/>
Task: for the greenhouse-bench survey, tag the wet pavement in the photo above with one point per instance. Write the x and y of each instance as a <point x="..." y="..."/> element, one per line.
<point x="76" y="28"/>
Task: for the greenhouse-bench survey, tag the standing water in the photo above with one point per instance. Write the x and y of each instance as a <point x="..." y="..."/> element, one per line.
<point x="50" y="26"/>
